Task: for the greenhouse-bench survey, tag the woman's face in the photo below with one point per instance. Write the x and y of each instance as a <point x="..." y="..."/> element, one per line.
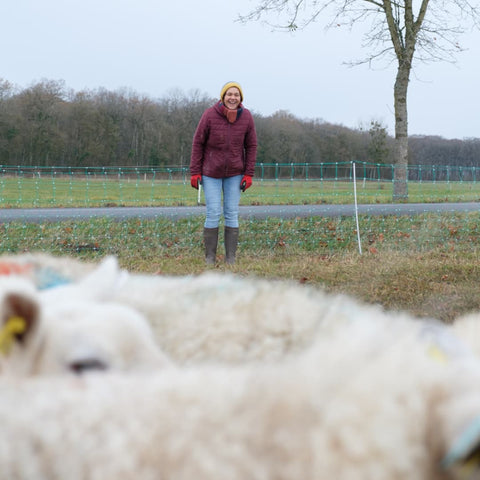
<point x="231" y="98"/>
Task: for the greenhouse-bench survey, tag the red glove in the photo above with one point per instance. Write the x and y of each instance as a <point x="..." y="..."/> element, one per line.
<point x="246" y="182"/>
<point x="195" y="181"/>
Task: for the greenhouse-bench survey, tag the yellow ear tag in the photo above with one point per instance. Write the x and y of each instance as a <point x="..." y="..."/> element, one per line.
<point x="469" y="466"/>
<point x="13" y="326"/>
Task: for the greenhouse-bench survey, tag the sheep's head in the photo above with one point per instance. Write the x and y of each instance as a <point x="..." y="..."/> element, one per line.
<point x="85" y="337"/>
<point x="72" y="328"/>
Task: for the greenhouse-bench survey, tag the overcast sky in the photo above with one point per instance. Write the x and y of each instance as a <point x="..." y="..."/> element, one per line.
<point x="156" y="46"/>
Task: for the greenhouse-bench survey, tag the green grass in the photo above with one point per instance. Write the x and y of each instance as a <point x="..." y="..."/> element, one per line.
<point x="97" y="191"/>
<point x="427" y="265"/>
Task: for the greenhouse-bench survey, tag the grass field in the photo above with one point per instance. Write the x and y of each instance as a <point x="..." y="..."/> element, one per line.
<point x="81" y="191"/>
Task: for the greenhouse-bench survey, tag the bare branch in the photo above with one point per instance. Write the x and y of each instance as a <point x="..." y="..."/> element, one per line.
<point x="428" y="33"/>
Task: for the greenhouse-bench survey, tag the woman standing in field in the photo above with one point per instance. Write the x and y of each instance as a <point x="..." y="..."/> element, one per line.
<point x="224" y="152"/>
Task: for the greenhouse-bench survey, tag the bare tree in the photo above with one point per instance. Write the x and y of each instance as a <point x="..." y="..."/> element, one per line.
<point x="40" y="107"/>
<point x="399" y="31"/>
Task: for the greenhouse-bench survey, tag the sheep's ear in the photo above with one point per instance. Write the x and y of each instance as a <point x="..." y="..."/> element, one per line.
<point x="19" y="317"/>
<point x="102" y="282"/>
<point x="464" y="456"/>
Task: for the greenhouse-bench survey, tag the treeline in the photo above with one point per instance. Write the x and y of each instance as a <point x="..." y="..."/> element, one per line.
<point x="440" y="151"/>
<point x="47" y="124"/>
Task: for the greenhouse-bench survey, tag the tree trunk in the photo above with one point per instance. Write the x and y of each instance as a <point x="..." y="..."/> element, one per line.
<point x="400" y="177"/>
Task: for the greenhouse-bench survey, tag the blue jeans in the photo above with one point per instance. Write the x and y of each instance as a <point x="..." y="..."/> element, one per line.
<point x="213" y="189"/>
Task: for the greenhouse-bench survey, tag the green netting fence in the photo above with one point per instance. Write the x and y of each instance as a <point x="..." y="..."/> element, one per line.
<point x="31" y="187"/>
<point x="274" y="184"/>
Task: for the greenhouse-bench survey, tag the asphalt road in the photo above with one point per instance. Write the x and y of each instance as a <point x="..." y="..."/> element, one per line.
<point x="39" y="215"/>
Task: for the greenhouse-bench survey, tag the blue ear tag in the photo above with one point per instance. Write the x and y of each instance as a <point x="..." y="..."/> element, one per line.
<point x="463" y="452"/>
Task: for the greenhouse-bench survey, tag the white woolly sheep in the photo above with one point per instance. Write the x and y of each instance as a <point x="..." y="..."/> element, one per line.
<point x="235" y="319"/>
<point x="200" y="318"/>
<point x="213" y="316"/>
<point x="371" y="401"/>
<point x="376" y="395"/>
<point x="72" y="329"/>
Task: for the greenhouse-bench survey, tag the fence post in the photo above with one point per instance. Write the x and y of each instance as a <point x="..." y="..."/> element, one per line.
<point x="262" y="169"/>
<point x="356" y="207"/>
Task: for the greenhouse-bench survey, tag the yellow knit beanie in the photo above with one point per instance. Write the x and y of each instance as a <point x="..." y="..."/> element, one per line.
<point x="228" y="85"/>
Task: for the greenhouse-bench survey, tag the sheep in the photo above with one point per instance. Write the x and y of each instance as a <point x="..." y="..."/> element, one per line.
<point x="226" y="317"/>
<point x="72" y="328"/>
<point x="372" y="400"/>
<point x="214" y="316"/>
<point x="205" y="317"/>
<point x="368" y="394"/>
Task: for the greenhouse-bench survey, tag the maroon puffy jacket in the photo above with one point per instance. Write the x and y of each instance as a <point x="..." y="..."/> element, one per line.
<point x="223" y="149"/>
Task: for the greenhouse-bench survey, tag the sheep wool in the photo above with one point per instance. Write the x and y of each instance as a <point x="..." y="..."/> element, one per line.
<point x="373" y="404"/>
<point x="343" y="390"/>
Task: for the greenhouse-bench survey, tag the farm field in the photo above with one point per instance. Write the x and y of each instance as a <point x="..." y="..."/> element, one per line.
<point x="98" y="191"/>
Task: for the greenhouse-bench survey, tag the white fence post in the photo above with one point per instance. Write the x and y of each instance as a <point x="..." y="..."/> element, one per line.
<point x="356" y="207"/>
